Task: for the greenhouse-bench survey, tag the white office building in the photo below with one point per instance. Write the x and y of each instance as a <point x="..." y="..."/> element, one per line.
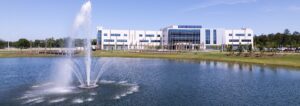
<point x="111" y="39"/>
<point x="175" y="37"/>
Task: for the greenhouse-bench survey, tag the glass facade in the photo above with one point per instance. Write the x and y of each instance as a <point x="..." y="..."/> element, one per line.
<point x="215" y="36"/>
<point x="99" y="34"/>
<point x="125" y="34"/>
<point x="207" y="36"/>
<point x="184" y="36"/>
<point x="141" y="35"/>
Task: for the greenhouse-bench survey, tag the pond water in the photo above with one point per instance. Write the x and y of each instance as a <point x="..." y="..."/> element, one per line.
<point x="153" y="82"/>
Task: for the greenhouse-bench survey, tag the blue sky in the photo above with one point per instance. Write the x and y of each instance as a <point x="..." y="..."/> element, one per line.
<point x="39" y="19"/>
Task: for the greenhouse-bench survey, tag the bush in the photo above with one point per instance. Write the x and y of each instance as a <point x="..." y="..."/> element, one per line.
<point x="23" y="43"/>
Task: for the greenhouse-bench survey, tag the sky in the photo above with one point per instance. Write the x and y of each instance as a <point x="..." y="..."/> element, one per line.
<point x="40" y="19"/>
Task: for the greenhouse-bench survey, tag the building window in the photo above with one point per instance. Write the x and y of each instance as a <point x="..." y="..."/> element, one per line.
<point x="99" y="37"/>
<point x="246" y="40"/>
<point x="109" y="40"/>
<point x="125" y="34"/>
<point x="158" y="35"/>
<point x="122" y="40"/>
<point x="189" y="26"/>
<point x="234" y="40"/>
<point x="215" y="37"/>
<point x="149" y="35"/>
<point x="141" y="35"/>
<point x="115" y="34"/>
<point x="239" y="34"/>
<point x="179" y="36"/>
<point x="144" y="40"/>
<point x="105" y="34"/>
<point x="207" y="36"/>
<point x="249" y="35"/>
<point x="230" y="34"/>
<point x="155" y="40"/>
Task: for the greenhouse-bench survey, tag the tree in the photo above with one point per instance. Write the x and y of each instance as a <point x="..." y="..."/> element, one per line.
<point x="59" y="43"/>
<point x="240" y="48"/>
<point x="50" y="42"/>
<point x="79" y="42"/>
<point x="278" y="40"/>
<point x="37" y="43"/>
<point x="229" y="48"/>
<point x="287" y="32"/>
<point x="296" y="33"/>
<point x="94" y="42"/>
<point x="250" y="48"/>
<point x="23" y="43"/>
<point x="2" y="44"/>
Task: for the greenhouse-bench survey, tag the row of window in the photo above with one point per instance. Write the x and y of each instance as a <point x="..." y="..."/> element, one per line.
<point x="237" y="40"/>
<point x="114" y="34"/>
<point x="124" y="40"/>
<point x="111" y="40"/>
<point x="149" y="35"/>
<point x="207" y="36"/>
<point x="150" y="40"/>
<point x="141" y="35"/>
<point x="240" y="34"/>
<point x="189" y="26"/>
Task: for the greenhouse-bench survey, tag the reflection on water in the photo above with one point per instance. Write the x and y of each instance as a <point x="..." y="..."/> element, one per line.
<point x="153" y="82"/>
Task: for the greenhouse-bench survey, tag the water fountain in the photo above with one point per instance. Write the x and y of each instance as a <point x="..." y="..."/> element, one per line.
<point x="85" y="70"/>
<point x="83" y="20"/>
<point x="81" y="68"/>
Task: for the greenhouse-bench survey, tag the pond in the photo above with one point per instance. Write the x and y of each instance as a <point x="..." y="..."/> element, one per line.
<point x="154" y="82"/>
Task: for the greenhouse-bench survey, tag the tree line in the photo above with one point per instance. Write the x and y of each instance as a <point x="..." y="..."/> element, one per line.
<point x="261" y="42"/>
<point x="278" y="40"/>
<point x="46" y="43"/>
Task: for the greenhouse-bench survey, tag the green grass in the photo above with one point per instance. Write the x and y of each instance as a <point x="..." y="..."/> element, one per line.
<point x="10" y="54"/>
<point x="290" y="60"/>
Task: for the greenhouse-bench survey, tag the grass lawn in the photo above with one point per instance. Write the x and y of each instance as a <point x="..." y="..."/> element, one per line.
<point x="290" y="60"/>
<point x="10" y="54"/>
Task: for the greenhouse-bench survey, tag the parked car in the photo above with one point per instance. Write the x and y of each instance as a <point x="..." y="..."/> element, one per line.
<point x="297" y="50"/>
<point x="289" y="49"/>
<point x="94" y="47"/>
<point x="281" y="49"/>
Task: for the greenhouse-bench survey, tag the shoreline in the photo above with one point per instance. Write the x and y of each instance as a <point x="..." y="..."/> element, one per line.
<point x="288" y="60"/>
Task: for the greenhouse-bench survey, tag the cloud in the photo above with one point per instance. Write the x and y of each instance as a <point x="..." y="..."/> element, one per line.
<point x="212" y="3"/>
